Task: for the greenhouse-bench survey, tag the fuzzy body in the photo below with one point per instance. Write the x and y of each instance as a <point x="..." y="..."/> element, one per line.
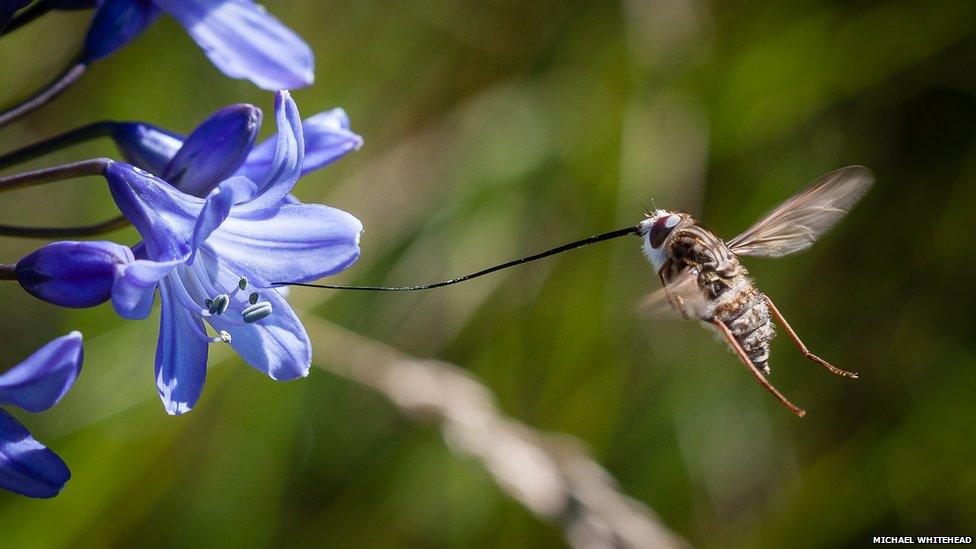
<point x="720" y="288"/>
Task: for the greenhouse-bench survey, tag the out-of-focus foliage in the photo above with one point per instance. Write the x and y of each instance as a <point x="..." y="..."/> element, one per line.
<point x="495" y="129"/>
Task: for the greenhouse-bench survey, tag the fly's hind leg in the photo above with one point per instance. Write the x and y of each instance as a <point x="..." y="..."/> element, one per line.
<point x="752" y="368"/>
<point x="803" y="348"/>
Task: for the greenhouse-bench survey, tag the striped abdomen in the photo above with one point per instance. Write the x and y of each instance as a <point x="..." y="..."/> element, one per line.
<point x="747" y="316"/>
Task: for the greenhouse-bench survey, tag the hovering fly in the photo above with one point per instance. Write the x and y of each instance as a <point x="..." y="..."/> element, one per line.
<point x="702" y="277"/>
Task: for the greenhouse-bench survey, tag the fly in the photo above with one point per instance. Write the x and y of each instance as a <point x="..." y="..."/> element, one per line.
<point x="702" y="277"/>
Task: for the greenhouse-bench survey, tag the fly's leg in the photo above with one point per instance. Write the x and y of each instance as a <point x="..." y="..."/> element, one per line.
<point x="676" y="301"/>
<point x="803" y="348"/>
<point x="752" y="367"/>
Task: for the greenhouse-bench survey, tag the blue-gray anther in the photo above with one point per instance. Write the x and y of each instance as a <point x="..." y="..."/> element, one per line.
<point x="256" y="312"/>
<point x="253" y="298"/>
<point x="219" y="304"/>
<point x="208" y="303"/>
<point x="242" y="284"/>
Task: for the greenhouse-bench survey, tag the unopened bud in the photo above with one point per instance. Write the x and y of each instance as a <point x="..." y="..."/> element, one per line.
<point x="72" y="274"/>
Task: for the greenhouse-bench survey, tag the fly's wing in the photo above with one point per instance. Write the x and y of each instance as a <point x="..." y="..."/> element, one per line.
<point x="676" y="297"/>
<point x="797" y="223"/>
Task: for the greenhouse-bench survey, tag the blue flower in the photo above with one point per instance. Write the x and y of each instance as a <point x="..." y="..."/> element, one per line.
<point x="81" y="274"/>
<point x="165" y="154"/>
<point x="239" y="36"/>
<point x="214" y="260"/>
<point x="27" y="467"/>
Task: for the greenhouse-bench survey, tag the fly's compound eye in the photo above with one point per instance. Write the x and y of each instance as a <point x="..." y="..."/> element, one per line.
<point x="662" y="228"/>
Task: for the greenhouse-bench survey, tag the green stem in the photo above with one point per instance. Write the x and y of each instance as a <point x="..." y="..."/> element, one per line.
<point x="56" y="143"/>
<point x="58" y="86"/>
<point x="48" y="233"/>
<point x="86" y="168"/>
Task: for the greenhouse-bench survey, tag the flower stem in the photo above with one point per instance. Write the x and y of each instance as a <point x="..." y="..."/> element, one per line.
<point x="86" y="168"/>
<point x="58" y="142"/>
<point x="46" y="95"/>
<point x="65" y="232"/>
<point x="7" y="272"/>
<point x="26" y="16"/>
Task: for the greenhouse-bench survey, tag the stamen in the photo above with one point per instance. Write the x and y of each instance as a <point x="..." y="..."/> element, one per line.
<point x="201" y="278"/>
<point x="183" y="296"/>
<point x="222" y="337"/>
<point x="253" y="298"/>
<point x="241" y="285"/>
<point x="219" y="304"/>
<point x="256" y="312"/>
<point x="200" y="332"/>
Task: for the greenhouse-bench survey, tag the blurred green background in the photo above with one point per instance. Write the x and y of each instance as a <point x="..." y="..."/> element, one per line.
<point x="496" y="129"/>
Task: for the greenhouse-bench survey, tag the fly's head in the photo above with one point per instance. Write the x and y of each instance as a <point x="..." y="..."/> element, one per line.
<point x="655" y="230"/>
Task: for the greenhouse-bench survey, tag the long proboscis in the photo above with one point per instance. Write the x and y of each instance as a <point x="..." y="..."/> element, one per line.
<point x="634" y="230"/>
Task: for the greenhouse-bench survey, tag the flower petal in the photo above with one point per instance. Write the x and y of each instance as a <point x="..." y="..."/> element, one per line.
<point x="135" y="286"/>
<point x="217" y="208"/>
<point x="117" y="22"/>
<point x="278" y="345"/>
<point x="286" y="166"/>
<point x="164" y="216"/>
<point x="40" y="381"/>
<point x="72" y="274"/>
<point x="327" y="138"/>
<point x="26" y="466"/>
<point x="295" y="243"/>
<point x="245" y="41"/>
<point x="181" y="353"/>
<point x="215" y="150"/>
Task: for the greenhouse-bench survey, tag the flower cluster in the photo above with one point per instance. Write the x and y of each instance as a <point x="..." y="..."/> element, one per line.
<point x="214" y="209"/>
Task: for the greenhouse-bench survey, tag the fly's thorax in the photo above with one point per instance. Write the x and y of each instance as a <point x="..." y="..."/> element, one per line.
<point x="696" y="266"/>
<point x="676" y="244"/>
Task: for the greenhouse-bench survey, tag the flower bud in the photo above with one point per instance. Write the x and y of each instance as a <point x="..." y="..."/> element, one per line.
<point x="214" y="151"/>
<point x="146" y="146"/>
<point x="116" y="22"/>
<point x="72" y="274"/>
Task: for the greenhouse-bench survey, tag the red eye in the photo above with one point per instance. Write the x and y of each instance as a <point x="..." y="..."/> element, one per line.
<point x="661" y="228"/>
